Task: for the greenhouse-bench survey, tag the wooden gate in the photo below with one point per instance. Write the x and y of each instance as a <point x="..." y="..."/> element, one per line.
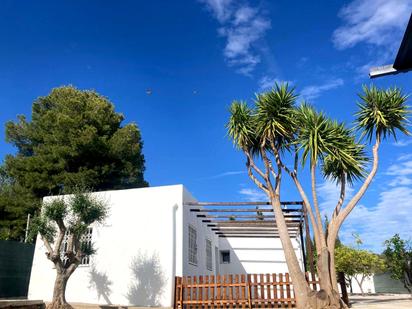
<point x="235" y="291"/>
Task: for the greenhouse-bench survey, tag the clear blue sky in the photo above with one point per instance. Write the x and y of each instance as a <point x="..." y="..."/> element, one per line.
<point x="198" y="56"/>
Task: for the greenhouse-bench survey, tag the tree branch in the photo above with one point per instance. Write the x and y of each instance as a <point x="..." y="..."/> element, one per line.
<point x="254" y="179"/>
<point x="341" y="196"/>
<point x="48" y="246"/>
<point x="296" y="163"/>
<point x="353" y="202"/>
<point x="252" y="163"/>
<point x="302" y="193"/>
<point x="62" y="233"/>
<point x="315" y="196"/>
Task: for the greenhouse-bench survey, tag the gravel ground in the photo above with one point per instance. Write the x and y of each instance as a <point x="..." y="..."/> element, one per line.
<point x="389" y="301"/>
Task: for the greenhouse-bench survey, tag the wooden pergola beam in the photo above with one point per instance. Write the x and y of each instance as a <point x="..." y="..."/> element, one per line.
<point x="239" y="203"/>
<point x="247" y="221"/>
<point x="248" y="236"/>
<point x="252" y="233"/>
<point x="245" y="216"/>
<point x="242" y="210"/>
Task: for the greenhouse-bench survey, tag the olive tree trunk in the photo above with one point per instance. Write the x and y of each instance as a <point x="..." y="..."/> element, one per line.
<point x="59" y="290"/>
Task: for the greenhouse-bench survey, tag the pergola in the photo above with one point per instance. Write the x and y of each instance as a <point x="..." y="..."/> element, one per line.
<point x="252" y="220"/>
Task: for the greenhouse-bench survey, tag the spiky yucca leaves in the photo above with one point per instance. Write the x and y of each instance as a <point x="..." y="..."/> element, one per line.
<point x="346" y="161"/>
<point x="241" y="126"/>
<point x="381" y="112"/>
<point x="274" y="115"/>
<point x="323" y="140"/>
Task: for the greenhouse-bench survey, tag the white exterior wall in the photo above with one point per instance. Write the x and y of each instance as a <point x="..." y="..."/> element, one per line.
<point x="203" y="233"/>
<point x="256" y="255"/>
<point x="143" y="245"/>
<point x="143" y="223"/>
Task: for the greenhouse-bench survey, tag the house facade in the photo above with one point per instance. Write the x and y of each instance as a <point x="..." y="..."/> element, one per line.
<point x="150" y="236"/>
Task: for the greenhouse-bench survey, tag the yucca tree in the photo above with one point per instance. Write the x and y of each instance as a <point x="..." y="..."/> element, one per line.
<point x="275" y="128"/>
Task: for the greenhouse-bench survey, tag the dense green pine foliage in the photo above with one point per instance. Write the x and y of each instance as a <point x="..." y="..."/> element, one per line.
<point x="74" y="138"/>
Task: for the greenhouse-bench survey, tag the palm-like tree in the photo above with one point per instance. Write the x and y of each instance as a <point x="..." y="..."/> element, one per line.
<point x="276" y="128"/>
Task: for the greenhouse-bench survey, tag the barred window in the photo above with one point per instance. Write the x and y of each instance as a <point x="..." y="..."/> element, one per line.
<point x="192" y="245"/>
<point x="86" y="239"/>
<point x="209" y="263"/>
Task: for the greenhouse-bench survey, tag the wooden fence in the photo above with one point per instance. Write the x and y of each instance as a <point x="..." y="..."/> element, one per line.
<point x="235" y="291"/>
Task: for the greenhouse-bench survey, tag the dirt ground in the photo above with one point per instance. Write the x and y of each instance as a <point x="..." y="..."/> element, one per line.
<point x="389" y="301"/>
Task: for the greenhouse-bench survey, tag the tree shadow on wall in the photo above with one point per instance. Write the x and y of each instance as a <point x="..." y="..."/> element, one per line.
<point x="148" y="280"/>
<point x="101" y="283"/>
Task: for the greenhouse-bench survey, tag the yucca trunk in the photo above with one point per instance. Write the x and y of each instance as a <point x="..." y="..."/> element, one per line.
<point x="300" y="285"/>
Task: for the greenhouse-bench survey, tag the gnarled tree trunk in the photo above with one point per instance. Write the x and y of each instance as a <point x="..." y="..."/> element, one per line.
<point x="59" y="293"/>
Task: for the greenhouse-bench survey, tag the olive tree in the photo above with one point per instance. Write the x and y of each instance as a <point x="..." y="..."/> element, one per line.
<point x="276" y="135"/>
<point x="61" y="225"/>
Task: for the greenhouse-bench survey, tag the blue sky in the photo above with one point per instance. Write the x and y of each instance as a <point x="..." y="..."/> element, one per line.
<point x="198" y="56"/>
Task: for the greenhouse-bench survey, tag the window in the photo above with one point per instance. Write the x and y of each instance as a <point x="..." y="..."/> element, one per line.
<point x="86" y="239"/>
<point x="225" y="257"/>
<point x="192" y="245"/>
<point x="209" y="263"/>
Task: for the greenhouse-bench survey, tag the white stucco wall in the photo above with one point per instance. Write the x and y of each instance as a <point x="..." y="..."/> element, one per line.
<point x="203" y="233"/>
<point x="143" y="226"/>
<point x="256" y="255"/>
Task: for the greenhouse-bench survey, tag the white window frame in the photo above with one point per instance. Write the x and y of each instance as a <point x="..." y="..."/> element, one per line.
<point x="192" y="245"/>
<point x="86" y="237"/>
<point x="209" y="255"/>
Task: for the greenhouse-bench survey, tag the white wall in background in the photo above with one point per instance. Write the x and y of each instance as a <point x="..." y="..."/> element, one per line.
<point x="256" y="255"/>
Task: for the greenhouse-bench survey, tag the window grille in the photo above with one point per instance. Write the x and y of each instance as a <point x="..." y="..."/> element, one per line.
<point x="192" y="245"/>
<point x="209" y="263"/>
<point x="86" y="238"/>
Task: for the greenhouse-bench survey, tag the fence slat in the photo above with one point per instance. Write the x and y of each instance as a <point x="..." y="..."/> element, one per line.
<point x="218" y="291"/>
<point x="200" y="295"/>
<point x="243" y="288"/>
<point x="212" y="290"/>
<point x="268" y="291"/>
<point x="288" y="290"/>
<point x="237" y="294"/>
<point x="224" y="290"/>
<point x="281" y="291"/>
<point x="207" y="288"/>
<point x="262" y="291"/>
<point x="189" y="289"/>
<point x="230" y="291"/>
<point x="275" y="291"/>
<point x="194" y="288"/>
<point x="255" y="289"/>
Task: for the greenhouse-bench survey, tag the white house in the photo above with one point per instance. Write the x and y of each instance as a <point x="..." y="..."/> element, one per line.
<point x="150" y="236"/>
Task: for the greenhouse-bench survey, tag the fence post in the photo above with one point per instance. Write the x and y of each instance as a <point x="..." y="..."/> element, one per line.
<point x="248" y="292"/>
